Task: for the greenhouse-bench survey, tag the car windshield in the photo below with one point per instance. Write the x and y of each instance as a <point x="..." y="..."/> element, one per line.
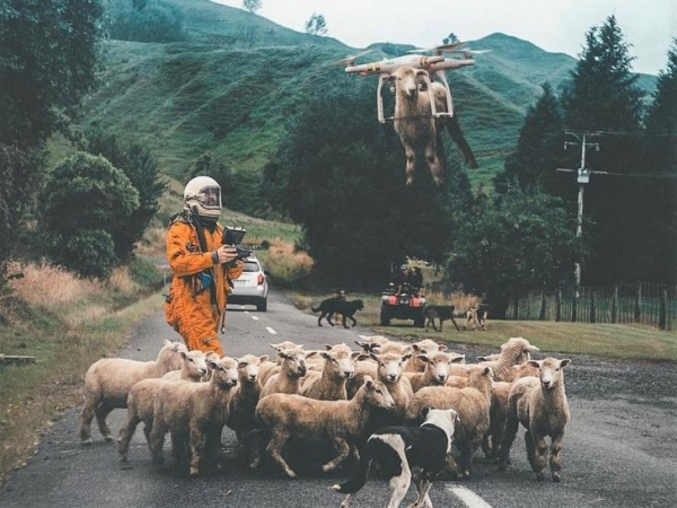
<point x="251" y="266"/>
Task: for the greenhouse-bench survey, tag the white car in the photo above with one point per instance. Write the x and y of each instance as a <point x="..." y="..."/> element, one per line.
<point x="251" y="288"/>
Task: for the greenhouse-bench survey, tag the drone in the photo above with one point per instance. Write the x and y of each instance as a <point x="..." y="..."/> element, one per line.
<point x="435" y="63"/>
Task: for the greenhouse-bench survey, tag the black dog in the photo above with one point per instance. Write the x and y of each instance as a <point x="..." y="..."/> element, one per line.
<point x="332" y="306"/>
<point x="441" y="312"/>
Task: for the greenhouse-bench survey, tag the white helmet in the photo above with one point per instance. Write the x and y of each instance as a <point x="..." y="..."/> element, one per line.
<point x="204" y="193"/>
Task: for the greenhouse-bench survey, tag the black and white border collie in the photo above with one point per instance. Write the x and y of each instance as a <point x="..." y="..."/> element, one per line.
<point x="403" y="453"/>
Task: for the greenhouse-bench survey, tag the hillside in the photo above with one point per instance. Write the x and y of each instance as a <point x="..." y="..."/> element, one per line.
<point x="230" y="88"/>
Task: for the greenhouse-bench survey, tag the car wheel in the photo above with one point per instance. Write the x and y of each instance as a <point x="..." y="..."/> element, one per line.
<point x="419" y="321"/>
<point x="385" y="318"/>
<point x="263" y="306"/>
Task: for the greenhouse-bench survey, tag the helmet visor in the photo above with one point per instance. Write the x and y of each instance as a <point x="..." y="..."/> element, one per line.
<point x="211" y="197"/>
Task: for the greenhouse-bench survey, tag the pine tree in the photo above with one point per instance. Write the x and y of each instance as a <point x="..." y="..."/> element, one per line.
<point x="539" y="148"/>
<point x="604" y="96"/>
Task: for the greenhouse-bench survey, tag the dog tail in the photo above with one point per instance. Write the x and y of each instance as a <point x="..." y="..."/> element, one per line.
<point x="358" y="480"/>
<point x="316" y="309"/>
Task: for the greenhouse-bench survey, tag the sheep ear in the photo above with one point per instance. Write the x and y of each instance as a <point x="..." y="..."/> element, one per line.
<point x="421" y="72"/>
<point x="564" y="363"/>
<point x="363" y="345"/>
<point x="328" y="347"/>
<point x="373" y="356"/>
<point x="325" y="355"/>
<point x="263" y="358"/>
<point x="359" y="356"/>
<point x="424" y="358"/>
<point x="415" y="347"/>
<point x="274" y="346"/>
<point x="212" y="365"/>
<point x="242" y="365"/>
<point x="488" y="372"/>
<point x="425" y="411"/>
<point x="534" y="363"/>
<point x="183" y="354"/>
<point x="532" y="349"/>
<point x="441" y="347"/>
<point x="406" y="357"/>
<point x="458" y="359"/>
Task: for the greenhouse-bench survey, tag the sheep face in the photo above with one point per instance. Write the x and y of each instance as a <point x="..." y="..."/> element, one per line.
<point x="224" y="372"/>
<point x="294" y="361"/>
<point x="406" y="81"/>
<point x="248" y="367"/>
<point x="339" y="360"/>
<point x="426" y="347"/>
<point x="390" y="366"/>
<point x="377" y="395"/>
<point x="170" y="354"/>
<point x="439" y="364"/>
<point x="550" y="371"/>
<point x="520" y="347"/>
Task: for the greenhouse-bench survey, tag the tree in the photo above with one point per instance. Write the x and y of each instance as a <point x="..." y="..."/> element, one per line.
<point x="450" y="39"/>
<point x="48" y="57"/>
<point x="156" y="22"/>
<point x="316" y="25"/>
<point x="604" y="96"/>
<point x="538" y="153"/>
<point x="252" y="6"/>
<point x="143" y="172"/>
<point x="515" y="242"/>
<point x="84" y="199"/>
<point x="341" y="176"/>
<point x="661" y="130"/>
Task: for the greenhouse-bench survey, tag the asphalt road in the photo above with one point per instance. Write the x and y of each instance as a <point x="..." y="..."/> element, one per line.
<point x="619" y="450"/>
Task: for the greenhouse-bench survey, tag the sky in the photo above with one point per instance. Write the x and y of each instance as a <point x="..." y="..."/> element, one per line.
<point x="558" y="26"/>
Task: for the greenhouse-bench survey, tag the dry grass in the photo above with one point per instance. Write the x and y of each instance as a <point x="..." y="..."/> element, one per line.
<point x="285" y="263"/>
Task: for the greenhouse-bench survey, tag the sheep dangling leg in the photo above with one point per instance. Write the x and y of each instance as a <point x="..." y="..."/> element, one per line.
<point x="410" y="155"/>
<point x="434" y="162"/>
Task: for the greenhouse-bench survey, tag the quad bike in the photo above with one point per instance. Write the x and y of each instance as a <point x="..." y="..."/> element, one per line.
<point x="404" y="302"/>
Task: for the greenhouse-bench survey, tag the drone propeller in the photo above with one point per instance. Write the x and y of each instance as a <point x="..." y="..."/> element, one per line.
<point x="438" y="49"/>
<point x="349" y="60"/>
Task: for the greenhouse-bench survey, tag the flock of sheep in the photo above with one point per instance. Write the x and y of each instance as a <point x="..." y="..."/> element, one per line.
<point x="336" y="396"/>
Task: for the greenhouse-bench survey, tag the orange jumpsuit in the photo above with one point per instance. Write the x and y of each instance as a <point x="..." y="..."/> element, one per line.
<point x="189" y="308"/>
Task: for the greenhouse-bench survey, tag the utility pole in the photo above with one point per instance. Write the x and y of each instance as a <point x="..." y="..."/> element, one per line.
<point x="582" y="139"/>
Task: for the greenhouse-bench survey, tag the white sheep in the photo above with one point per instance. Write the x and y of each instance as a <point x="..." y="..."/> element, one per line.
<point x="541" y="406"/>
<point x="194" y="367"/>
<point x="514" y="352"/>
<point x="415" y="124"/>
<point x="141" y="398"/>
<point x="272" y="367"/>
<point x="498" y="414"/>
<point x="108" y="381"/>
<point x="472" y="404"/>
<point x="426" y="347"/>
<point x="330" y="383"/>
<point x="437" y="368"/>
<point x="242" y="403"/>
<point x="194" y="414"/>
<point x="341" y="421"/>
<point x="288" y="379"/>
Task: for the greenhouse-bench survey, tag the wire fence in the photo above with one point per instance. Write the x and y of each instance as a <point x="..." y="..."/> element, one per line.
<point x="643" y="303"/>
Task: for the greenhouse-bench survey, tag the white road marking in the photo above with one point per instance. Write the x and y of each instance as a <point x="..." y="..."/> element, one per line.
<point x="270" y="330"/>
<point x="468" y="497"/>
<point x="255" y="318"/>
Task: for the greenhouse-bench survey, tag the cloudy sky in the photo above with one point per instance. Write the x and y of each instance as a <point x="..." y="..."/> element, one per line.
<point x="553" y="25"/>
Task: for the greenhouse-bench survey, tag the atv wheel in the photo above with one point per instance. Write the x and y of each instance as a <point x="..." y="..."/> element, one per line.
<point x="385" y="318"/>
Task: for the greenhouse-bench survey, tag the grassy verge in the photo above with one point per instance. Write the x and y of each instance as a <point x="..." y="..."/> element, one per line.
<point x="66" y="324"/>
<point x="632" y="342"/>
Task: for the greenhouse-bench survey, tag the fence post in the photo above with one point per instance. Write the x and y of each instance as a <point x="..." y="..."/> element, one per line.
<point x="558" y="306"/>
<point x="541" y="314"/>
<point x="638" y="303"/>
<point x="614" y="306"/>
<point x="574" y="305"/>
<point x="593" y="306"/>
<point x="663" y="312"/>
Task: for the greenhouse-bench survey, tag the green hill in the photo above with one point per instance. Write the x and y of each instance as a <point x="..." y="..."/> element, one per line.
<point x="230" y="87"/>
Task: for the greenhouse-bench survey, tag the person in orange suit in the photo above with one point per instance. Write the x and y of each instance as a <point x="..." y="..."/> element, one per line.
<point x="202" y="267"/>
